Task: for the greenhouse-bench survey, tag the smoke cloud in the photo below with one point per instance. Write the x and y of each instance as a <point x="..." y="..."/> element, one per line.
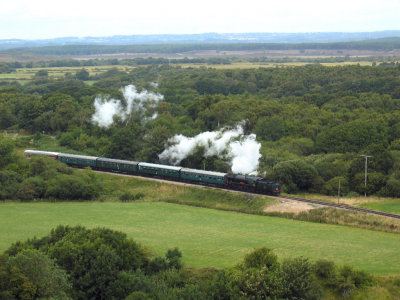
<point x="242" y="151"/>
<point x="139" y="103"/>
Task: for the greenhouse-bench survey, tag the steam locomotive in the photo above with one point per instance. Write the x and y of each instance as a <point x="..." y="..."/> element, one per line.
<point x="225" y="180"/>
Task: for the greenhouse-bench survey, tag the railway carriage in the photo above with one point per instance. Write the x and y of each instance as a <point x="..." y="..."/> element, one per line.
<point x="159" y="170"/>
<point x="203" y="176"/>
<point x="117" y="165"/>
<point x="78" y="160"/>
<point x="29" y="153"/>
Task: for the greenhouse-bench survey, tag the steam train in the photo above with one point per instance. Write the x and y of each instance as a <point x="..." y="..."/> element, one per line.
<point x="225" y="180"/>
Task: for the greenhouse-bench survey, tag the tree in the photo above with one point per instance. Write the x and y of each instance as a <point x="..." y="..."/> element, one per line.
<point x="49" y="280"/>
<point x="95" y="259"/>
<point x="125" y="142"/>
<point x="82" y="74"/>
<point x="298" y="281"/>
<point x="6" y="150"/>
<point x="351" y="137"/>
<point x="64" y="117"/>
<point x="295" y="174"/>
<point x="261" y="258"/>
<point x="42" y="73"/>
<point x="375" y="182"/>
<point x="7" y="118"/>
<point x="332" y="186"/>
<point x="271" y="128"/>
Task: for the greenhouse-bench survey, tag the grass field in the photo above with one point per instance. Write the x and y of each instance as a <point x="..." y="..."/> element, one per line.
<point x="207" y="237"/>
<point x="392" y="206"/>
<point x="26" y="74"/>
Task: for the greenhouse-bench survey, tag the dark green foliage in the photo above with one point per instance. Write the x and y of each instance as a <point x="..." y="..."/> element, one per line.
<point x="295" y="174"/>
<point x="173" y="257"/>
<point x="298" y="281"/>
<point x="324" y="269"/>
<point x="9" y="184"/>
<point x="82" y="74"/>
<point x="261" y="258"/>
<point x="392" y="188"/>
<point x="31" y="188"/>
<point x="92" y="258"/>
<point x="128" y="196"/>
<point x="332" y="186"/>
<point x="31" y="274"/>
<point x="80" y="186"/>
<point x="351" y="137"/>
<point x="375" y="182"/>
<point x="42" y="73"/>
<point x="6" y="150"/>
<point x="271" y="128"/>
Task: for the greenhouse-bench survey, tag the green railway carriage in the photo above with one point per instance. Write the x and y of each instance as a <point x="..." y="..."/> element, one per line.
<point x="159" y="170"/>
<point x="203" y="176"/>
<point x="118" y="165"/>
<point x="77" y="160"/>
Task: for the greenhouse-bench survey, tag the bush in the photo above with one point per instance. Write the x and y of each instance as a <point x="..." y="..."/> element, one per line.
<point x="128" y="196"/>
<point x="375" y="182"/>
<point x="332" y="186"/>
<point x="296" y="172"/>
<point x="298" y="281"/>
<point x="9" y="184"/>
<point x="31" y="188"/>
<point x="392" y="188"/>
<point x="324" y="269"/>
<point x="261" y="258"/>
<point x="73" y="187"/>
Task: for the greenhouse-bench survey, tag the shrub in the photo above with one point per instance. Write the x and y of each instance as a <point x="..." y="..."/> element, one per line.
<point x="128" y="196"/>
<point x="298" y="281"/>
<point x="324" y="269"/>
<point x="31" y="188"/>
<point x="73" y="187"/>
<point x="261" y="258"/>
<point x="332" y="186"/>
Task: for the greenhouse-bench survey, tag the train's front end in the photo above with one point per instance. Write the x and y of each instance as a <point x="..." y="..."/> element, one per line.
<point x="268" y="187"/>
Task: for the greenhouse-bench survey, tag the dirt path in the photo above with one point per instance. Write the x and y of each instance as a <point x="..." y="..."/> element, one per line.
<point x="289" y="206"/>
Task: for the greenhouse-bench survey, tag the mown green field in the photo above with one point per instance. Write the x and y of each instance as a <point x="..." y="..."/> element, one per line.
<point x="391" y="206"/>
<point x="207" y="237"/>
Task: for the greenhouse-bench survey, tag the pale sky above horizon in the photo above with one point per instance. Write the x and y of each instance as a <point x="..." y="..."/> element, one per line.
<point x="40" y="19"/>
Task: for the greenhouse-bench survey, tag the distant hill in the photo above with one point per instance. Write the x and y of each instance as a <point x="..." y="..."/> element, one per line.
<point x="204" y="38"/>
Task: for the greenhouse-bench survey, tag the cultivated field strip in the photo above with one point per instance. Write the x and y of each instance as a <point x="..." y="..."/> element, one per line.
<point x="343" y="206"/>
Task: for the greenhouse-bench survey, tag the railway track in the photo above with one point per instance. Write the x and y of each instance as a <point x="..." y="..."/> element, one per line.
<point x="342" y="206"/>
<point x="321" y="203"/>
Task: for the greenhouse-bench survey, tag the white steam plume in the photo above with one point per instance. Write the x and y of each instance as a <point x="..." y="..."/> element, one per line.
<point x="136" y="102"/>
<point x="243" y="151"/>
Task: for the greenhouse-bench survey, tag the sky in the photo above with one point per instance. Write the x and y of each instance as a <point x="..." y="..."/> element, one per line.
<point x="41" y="19"/>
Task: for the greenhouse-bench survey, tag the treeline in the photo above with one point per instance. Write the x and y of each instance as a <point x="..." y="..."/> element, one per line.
<point x="384" y="44"/>
<point x="12" y="66"/>
<point x="313" y="122"/>
<point x="99" y="263"/>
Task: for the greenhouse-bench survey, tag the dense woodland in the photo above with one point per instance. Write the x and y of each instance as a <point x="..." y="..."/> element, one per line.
<point x="313" y="122"/>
